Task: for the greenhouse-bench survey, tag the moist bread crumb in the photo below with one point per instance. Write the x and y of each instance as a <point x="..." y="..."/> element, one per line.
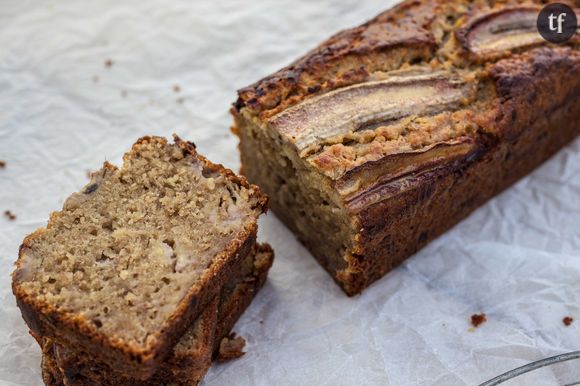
<point x="231" y="348"/>
<point x="191" y="356"/>
<point x="123" y="269"/>
<point x="567" y="320"/>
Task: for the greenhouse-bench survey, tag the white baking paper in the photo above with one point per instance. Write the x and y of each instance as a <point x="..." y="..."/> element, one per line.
<point x="63" y="111"/>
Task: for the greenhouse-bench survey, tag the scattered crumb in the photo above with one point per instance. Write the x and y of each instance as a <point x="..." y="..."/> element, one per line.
<point x="124" y="93"/>
<point x="478" y="319"/>
<point x="180" y="100"/>
<point x="2" y="164"/>
<point x="231" y="348"/>
<point x="109" y="63"/>
<point x="261" y="322"/>
<point x="9" y="215"/>
<point x="95" y="79"/>
<point x="176" y="88"/>
<point x="567" y="320"/>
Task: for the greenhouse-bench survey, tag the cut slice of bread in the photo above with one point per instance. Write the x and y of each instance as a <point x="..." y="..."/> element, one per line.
<point x="189" y="362"/>
<point x="131" y="260"/>
<point x="192" y="355"/>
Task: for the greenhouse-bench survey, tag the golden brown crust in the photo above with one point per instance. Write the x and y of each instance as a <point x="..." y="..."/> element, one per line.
<point x="141" y="362"/>
<point x="386" y="172"/>
<point x="535" y="114"/>
<point x="391" y="112"/>
<point x="347" y="57"/>
<point x="393" y="230"/>
<point x="186" y="366"/>
<point x="526" y="87"/>
<point x="415" y="31"/>
<point x="233" y="306"/>
<point x="51" y="375"/>
<point x="532" y="84"/>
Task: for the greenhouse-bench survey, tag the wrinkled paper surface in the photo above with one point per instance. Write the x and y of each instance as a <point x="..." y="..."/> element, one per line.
<point x="63" y="111"/>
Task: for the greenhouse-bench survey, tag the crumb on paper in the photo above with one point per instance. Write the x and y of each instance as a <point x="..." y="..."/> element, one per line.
<point x="2" y="164"/>
<point x="109" y="63"/>
<point x="124" y="93"/>
<point x="95" y="79"/>
<point x="176" y="88"/>
<point x="180" y="100"/>
<point x="9" y="215"/>
<point x="231" y="348"/>
<point x="567" y="320"/>
<point x="478" y="319"/>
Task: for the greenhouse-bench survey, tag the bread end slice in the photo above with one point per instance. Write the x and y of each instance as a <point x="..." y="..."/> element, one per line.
<point x="131" y="260"/>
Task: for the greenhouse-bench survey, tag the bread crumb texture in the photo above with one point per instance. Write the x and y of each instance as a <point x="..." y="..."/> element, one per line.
<point x="125" y="250"/>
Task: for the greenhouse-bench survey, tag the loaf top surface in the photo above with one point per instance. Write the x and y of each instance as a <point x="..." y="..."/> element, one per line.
<point x="421" y="86"/>
<point x="123" y="257"/>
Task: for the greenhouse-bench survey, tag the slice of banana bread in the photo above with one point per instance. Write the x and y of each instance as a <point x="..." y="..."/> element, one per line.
<point x="388" y="134"/>
<point x="131" y="260"/>
<point x="190" y="360"/>
<point x="191" y="356"/>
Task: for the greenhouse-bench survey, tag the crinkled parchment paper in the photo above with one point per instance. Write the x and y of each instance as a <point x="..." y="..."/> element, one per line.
<point x="64" y="111"/>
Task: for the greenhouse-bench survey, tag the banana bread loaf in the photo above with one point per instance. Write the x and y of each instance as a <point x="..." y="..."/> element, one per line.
<point x="130" y="262"/>
<point x="191" y="357"/>
<point x="388" y="134"/>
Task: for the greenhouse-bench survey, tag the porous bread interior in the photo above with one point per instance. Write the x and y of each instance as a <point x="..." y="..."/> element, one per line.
<point x="195" y="346"/>
<point x="299" y="194"/>
<point x="124" y="251"/>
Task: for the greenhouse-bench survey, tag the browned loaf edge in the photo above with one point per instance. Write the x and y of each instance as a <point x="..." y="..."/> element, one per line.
<point x="186" y="367"/>
<point x="525" y="107"/>
<point x="141" y="362"/>
<point x="395" y="229"/>
<point x="61" y="366"/>
<point x="51" y="375"/>
<point x="232" y="307"/>
<point x="407" y="33"/>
